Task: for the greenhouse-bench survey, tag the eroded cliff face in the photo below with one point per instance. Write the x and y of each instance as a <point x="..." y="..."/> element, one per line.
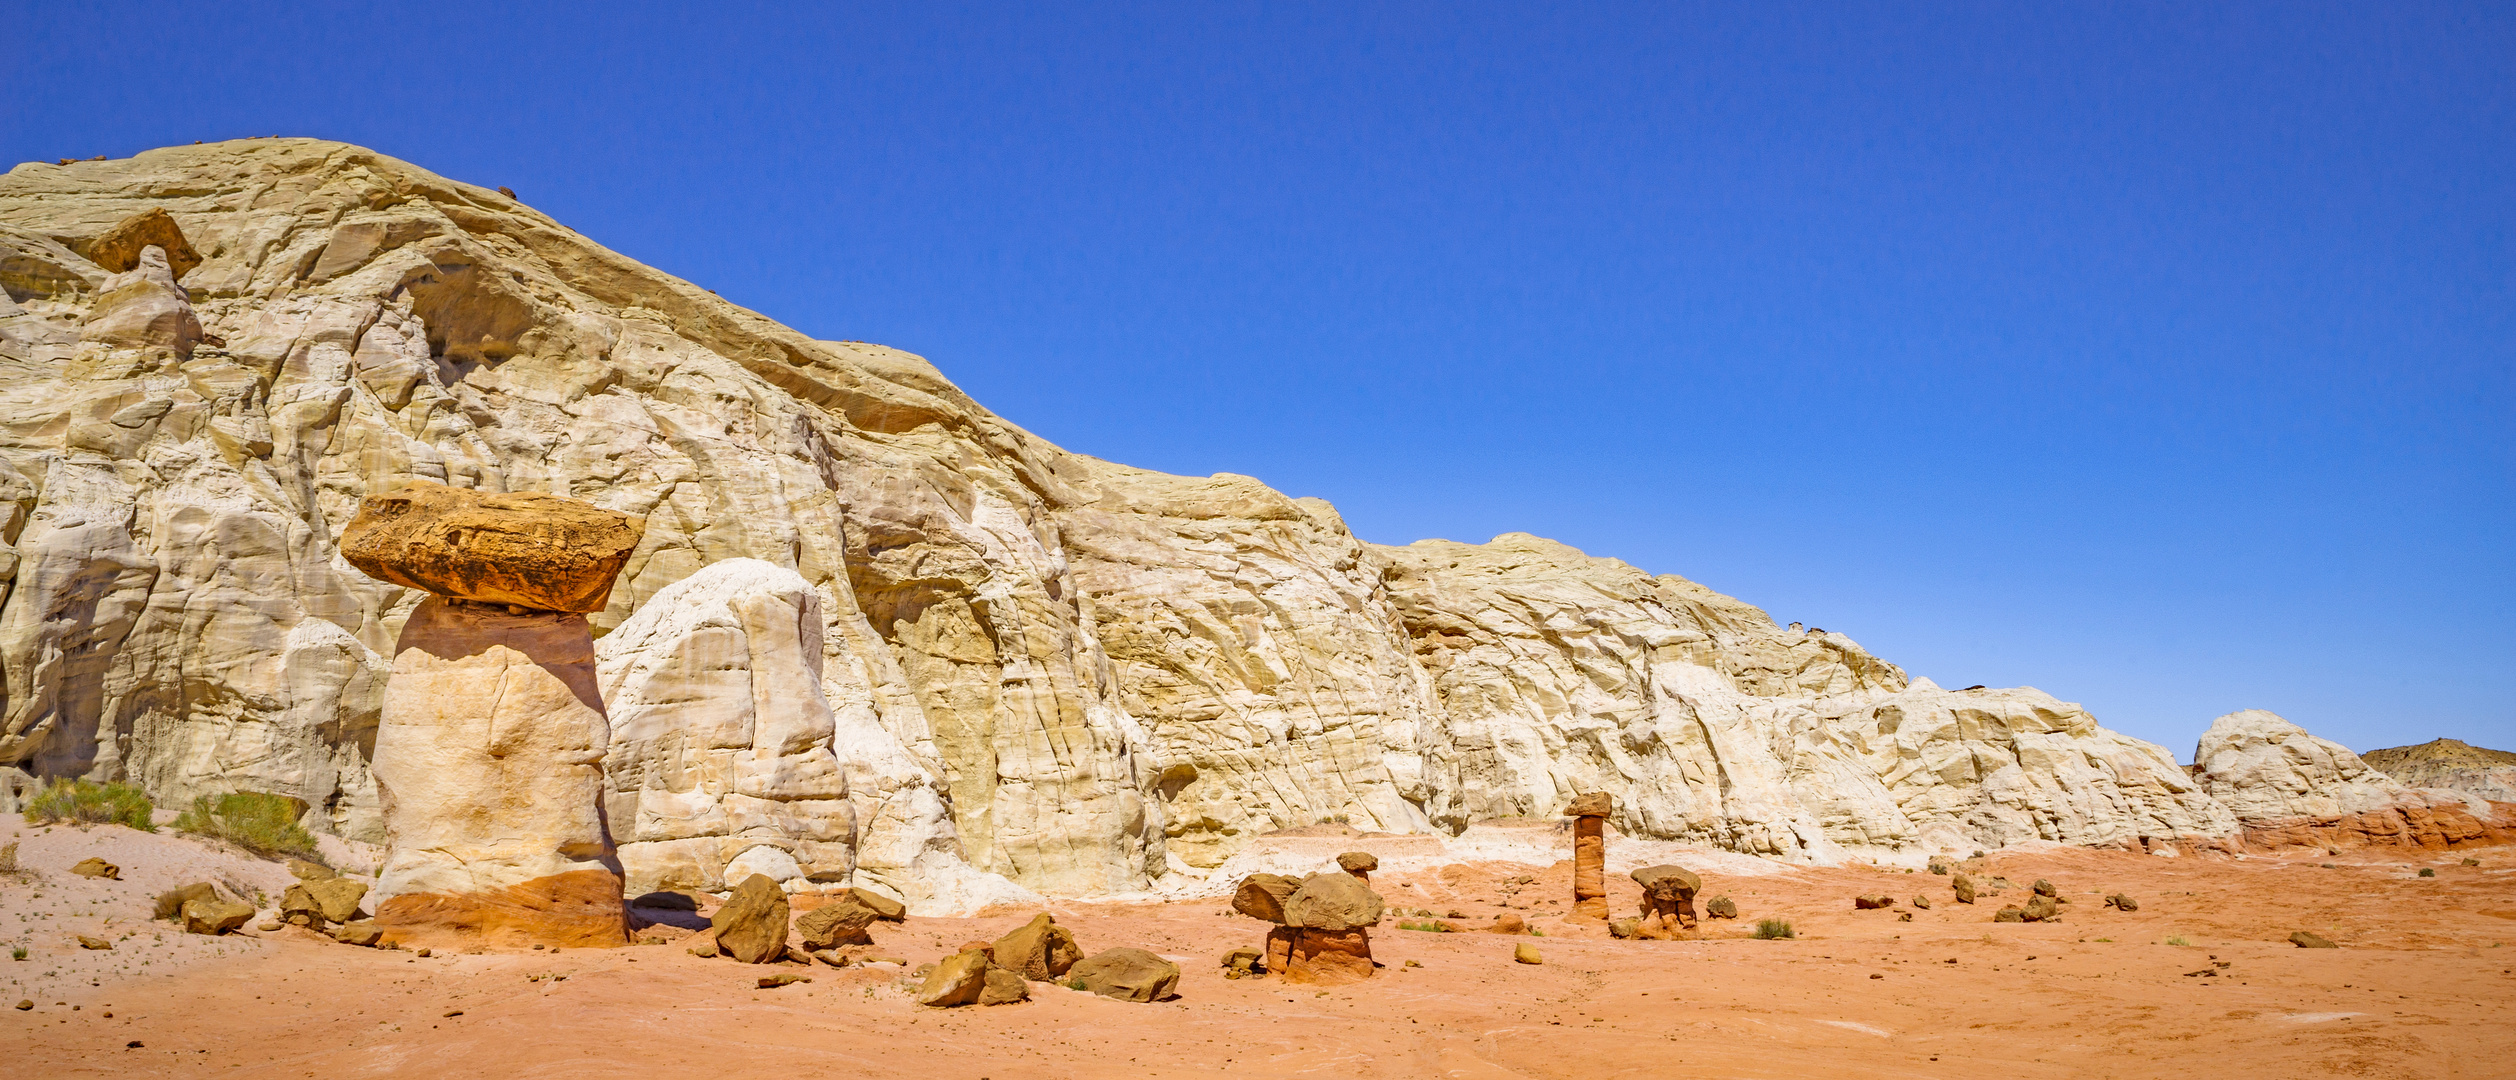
<point x="1070" y="673"/>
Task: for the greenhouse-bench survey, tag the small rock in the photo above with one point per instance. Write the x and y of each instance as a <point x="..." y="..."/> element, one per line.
<point x="1722" y="907"/>
<point x="1527" y="954"/>
<point x="783" y="978"/>
<point x="1508" y="923"/>
<point x="2011" y="913"/>
<point x="86" y="942"/>
<point x="271" y="925"/>
<point x="1922" y="902"/>
<point x="1873" y="903"/>
<point x="363" y="933"/>
<point x="23" y="1005"/>
<point x="1964" y="887"/>
<point x="2042" y="908"/>
<point x="1942" y="864"/>
<point x="1126" y="974"/>
<point x="93" y="867"/>
<point x="2305" y="940"/>
<point x="957" y="981"/>
<point x="1004" y="987"/>
<point x="1904" y="916"/>
<point x="424" y="954"/>
<point x="2123" y="903"/>
<point x="1624" y="928"/>
<point x="2045" y="888"/>
<point x="704" y="948"/>
<point x="1240" y="963"/>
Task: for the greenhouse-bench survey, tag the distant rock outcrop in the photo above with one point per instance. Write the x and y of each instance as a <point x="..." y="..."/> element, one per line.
<point x="2450" y="763"/>
<point x="2289" y="788"/>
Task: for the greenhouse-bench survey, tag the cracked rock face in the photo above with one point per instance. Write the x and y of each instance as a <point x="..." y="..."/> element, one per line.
<point x="1042" y="671"/>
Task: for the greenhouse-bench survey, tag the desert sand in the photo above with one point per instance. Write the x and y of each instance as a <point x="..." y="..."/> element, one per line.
<point x="2418" y="988"/>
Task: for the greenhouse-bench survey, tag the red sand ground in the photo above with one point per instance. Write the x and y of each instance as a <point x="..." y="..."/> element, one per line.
<point x="2420" y="988"/>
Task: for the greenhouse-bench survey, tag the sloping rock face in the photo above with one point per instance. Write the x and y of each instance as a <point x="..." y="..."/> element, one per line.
<point x="2450" y="763"/>
<point x="2289" y="788"/>
<point x="1040" y="668"/>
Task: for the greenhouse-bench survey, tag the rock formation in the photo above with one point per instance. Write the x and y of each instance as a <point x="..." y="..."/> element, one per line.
<point x="2289" y="788"/>
<point x="1668" y="899"/>
<point x="752" y="926"/>
<point x="1325" y="936"/>
<point x="2450" y="763"/>
<point x="1360" y="864"/>
<point x="488" y="761"/>
<point x="1128" y="975"/>
<point x="1589" y="814"/>
<point x="1043" y="671"/>
<point x="1039" y="950"/>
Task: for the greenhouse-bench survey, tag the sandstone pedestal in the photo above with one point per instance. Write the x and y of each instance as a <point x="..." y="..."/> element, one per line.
<point x="1668" y="899"/>
<point x="1326" y="936"/>
<point x="488" y="759"/>
<point x="1589" y="813"/>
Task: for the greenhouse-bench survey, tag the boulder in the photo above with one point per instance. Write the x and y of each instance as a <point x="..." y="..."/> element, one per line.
<point x="2121" y="902"/>
<point x="121" y="247"/>
<point x="214" y="916"/>
<point x="1722" y="907"/>
<point x="364" y="933"/>
<point x="842" y="921"/>
<point x="2306" y="940"/>
<point x="751" y="926"/>
<point x="1359" y="863"/>
<point x="1127" y="974"/>
<point x="2042" y="908"/>
<point x="88" y="942"/>
<point x="540" y="552"/>
<point x="170" y="903"/>
<point x="337" y="898"/>
<point x="1964" y="887"/>
<point x="1039" y="950"/>
<point x="1942" y="865"/>
<point x="1508" y="923"/>
<point x="1004" y="987"/>
<point x="1922" y="902"/>
<point x="1873" y="901"/>
<point x="1332" y="902"/>
<point x="488" y="765"/>
<point x="960" y="980"/>
<point x="884" y="908"/>
<point x="1526" y="953"/>
<point x="1262" y="896"/>
<point x="1243" y="964"/>
<point x="2010" y="913"/>
<point x="2045" y="888"/>
<point x="92" y="867"/>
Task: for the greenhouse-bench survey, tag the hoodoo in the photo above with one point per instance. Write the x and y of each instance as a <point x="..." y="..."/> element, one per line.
<point x="489" y="755"/>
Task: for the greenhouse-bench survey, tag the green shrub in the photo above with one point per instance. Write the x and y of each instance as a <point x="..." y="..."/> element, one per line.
<point x="1773" y="930"/>
<point x="1071" y="984"/>
<point x="262" y="824"/>
<point x="2427" y="872"/>
<point x="79" y="802"/>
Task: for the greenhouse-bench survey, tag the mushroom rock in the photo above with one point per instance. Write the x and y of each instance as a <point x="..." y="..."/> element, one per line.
<point x="488" y="757"/>
<point x="1589" y="813"/>
<point x="1360" y="864"/>
<point x="522" y="549"/>
<point x="1668" y="897"/>
<point x="1326" y="936"/>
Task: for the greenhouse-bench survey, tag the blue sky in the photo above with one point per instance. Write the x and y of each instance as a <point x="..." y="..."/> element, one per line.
<point x="2159" y="356"/>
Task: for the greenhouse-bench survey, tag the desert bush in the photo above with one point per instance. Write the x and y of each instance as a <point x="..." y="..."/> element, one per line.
<point x="1774" y="930"/>
<point x="262" y="824"/>
<point x="2426" y="871"/>
<point x="2179" y="942"/>
<point x="79" y="802"/>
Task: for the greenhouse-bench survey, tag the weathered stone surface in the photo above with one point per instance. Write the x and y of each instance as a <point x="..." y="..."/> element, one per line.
<point x="1040" y="665"/>
<point x="751" y="927"/>
<point x="1873" y="901"/>
<point x="1039" y="950"/>
<point x="960" y="980"/>
<point x="119" y="249"/>
<point x="1128" y="975"/>
<point x="1262" y="896"/>
<point x="1004" y="988"/>
<point x="721" y="738"/>
<point x="2010" y="913"/>
<point x="214" y="915"/>
<point x="1668" y="896"/>
<point x="2041" y="908"/>
<point x="581" y="909"/>
<point x="839" y="922"/>
<point x="2121" y="902"/>
<point x="323" y="900"/>
<point x="364" y="933"/>
<point x="2450" y="763"/>
<point x="527" y="549"/>
<point x="1590" y="866"/>
<point x="489" y="767"/>
<point x="2290" y="789"/>
<point x="1332" y="902"/>
<point x="1358" y="862"/>
<point x="2308" y="940"/>
<point x="1244" y="963"/>
<point x="93" y="867"/>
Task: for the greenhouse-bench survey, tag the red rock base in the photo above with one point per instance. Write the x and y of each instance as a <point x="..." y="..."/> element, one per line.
<point x="582" y="909"/>
<point x="1320" y="957"/>
<point x="2423" y="825"/>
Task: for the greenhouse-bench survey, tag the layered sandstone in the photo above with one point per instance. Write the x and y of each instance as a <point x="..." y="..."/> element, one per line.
<point x="2289" y="788"/>
<point x="1043" y="671"/>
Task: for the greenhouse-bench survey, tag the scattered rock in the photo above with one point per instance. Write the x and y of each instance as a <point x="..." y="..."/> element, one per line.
<point x="1942" y="865"/>
<point x="885" y="908"/>
<point x="310" y="871"/>
<point x="1527" y="954"/>
<point x="1624" y="928"/>
<point x="783" y="978"/>
<point x="214" y="916"/>
<point x="1039" y="950"/>
<point x="751" y="927"/>
<point x="86" y="942"/>
<point x="330" y="900"/>
<point x="839" y="922"/>
<point x="704" y="948"/>
<point x="1904" y="916"/>
<point x="1922" y="902"/>
<point x="1964" y="887"/>
<point x="1262" y="896"/>
<point x="1332" y="902"/>
<point x="2045" y="888"/>
<point x="271" y="925"/>
<point x="2010" y="913"/>
<point x="1004" y="987"/>
<point x="1243" y="964"/>
<point x="2041" y="908"/>
<point x="2305" y="940"/>
<point x="92" y="867"/>
<point x="1507" y="923"/>
<point x="2121" y="902"/>
<point x="1722" y="907"/>
<point x="23" y="1004"/>
<point x="1127" y="974"/>
<point x="364" y="933"/>
<point x="957" y="981"/>
<point x="1873" y="902"/>
<point x="170" y="903"/>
